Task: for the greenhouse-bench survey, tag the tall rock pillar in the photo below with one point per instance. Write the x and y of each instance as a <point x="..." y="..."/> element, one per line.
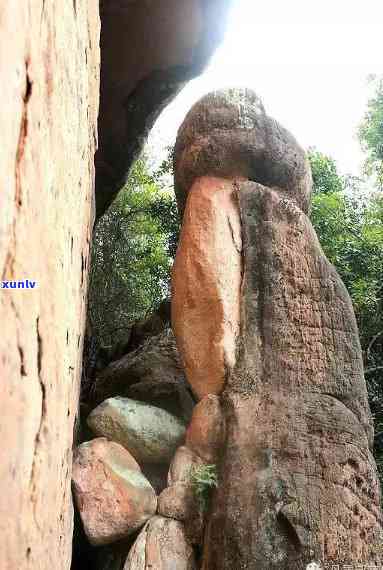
<point x="49" y="68"/>
<point x="263" y="320"/>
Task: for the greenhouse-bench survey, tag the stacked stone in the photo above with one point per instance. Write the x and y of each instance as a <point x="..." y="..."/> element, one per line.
<point x="113" y="496"/>
<point x="268" y="339"/>
<point x="115" y="475"/>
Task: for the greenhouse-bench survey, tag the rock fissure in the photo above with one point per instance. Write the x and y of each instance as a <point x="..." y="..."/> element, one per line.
<point x="43" y="411"/>
<point x="23" y="134"/>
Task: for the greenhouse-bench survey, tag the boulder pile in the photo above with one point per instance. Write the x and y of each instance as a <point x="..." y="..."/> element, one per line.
<point x="133" y="481"/>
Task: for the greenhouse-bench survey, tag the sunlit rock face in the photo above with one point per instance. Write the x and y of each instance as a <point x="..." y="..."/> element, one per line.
<point x="206" y="284"/>
<point x="49" y="69"/>
<point x="297" y="480"/>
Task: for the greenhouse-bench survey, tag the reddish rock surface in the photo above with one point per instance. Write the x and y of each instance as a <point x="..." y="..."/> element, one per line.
<point x="298" y="485"/>
<point x="112" y="495"/>
<point x="206" y="282"/>
<point x="49" y="68"/>
<point x="206" y="432"/>
<point x="161" y="545"/>
<point x="177" y="502"/>
<point x="183" y="462"/>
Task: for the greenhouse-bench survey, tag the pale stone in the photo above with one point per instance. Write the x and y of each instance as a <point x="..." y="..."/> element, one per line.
<point x="113" y="496"/>
<point x="161" y="545"/>
<point x="150" y="434"/>
<point x="49" y="74"/>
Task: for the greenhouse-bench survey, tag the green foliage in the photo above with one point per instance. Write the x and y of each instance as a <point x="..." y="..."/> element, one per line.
<point x="325" y="176"/>
<point x="132" y="251"/>
<point x="204" y="479"/>
<point x="371" y="132"/>
<point x="350" y="229"/>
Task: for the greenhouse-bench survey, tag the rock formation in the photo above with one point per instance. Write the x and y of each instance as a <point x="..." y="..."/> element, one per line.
<point x="152" y="373"/>
<point x="113" y="497"/>
<point x="263" y="323"/>
<point x="270" y="329"/>
<point x="148" y="51"/>
<point x="149" y="433"/>
<point x="162" y="545"/>
<point x="49" y="70"/>
<point x="267" y="335"/>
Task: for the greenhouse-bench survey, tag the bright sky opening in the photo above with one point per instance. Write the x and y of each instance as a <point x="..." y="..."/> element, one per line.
<point x="309" y="61"/>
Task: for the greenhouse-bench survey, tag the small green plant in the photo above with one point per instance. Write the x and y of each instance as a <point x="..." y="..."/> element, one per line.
<point x="203" y="479"/>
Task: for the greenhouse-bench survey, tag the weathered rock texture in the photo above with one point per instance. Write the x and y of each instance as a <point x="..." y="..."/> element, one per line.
<point x="227" y="136"/>
<point x="112" y="495"/>
<point x="161" y="545"/>
<point x="297" y="481"/>
<point x="49" y="67"/>
<point x="206" y="284"/>
<point x="152" y="373"/>
<point x="149" y="433"/>
<point x="206" y="432"/>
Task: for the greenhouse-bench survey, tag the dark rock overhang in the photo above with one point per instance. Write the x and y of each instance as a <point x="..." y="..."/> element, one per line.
<point x="149" y="50"/>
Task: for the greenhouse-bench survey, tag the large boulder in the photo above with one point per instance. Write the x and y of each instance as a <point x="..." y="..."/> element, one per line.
<point x="298" y="482"/>
<point x="205" y="434"/>
<point x="152" y="373"/>
<point x="228" y="134"/>
<point x="161" y="545"/>
<point x="150" y="434"/>
<point x="112" y="495"/>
